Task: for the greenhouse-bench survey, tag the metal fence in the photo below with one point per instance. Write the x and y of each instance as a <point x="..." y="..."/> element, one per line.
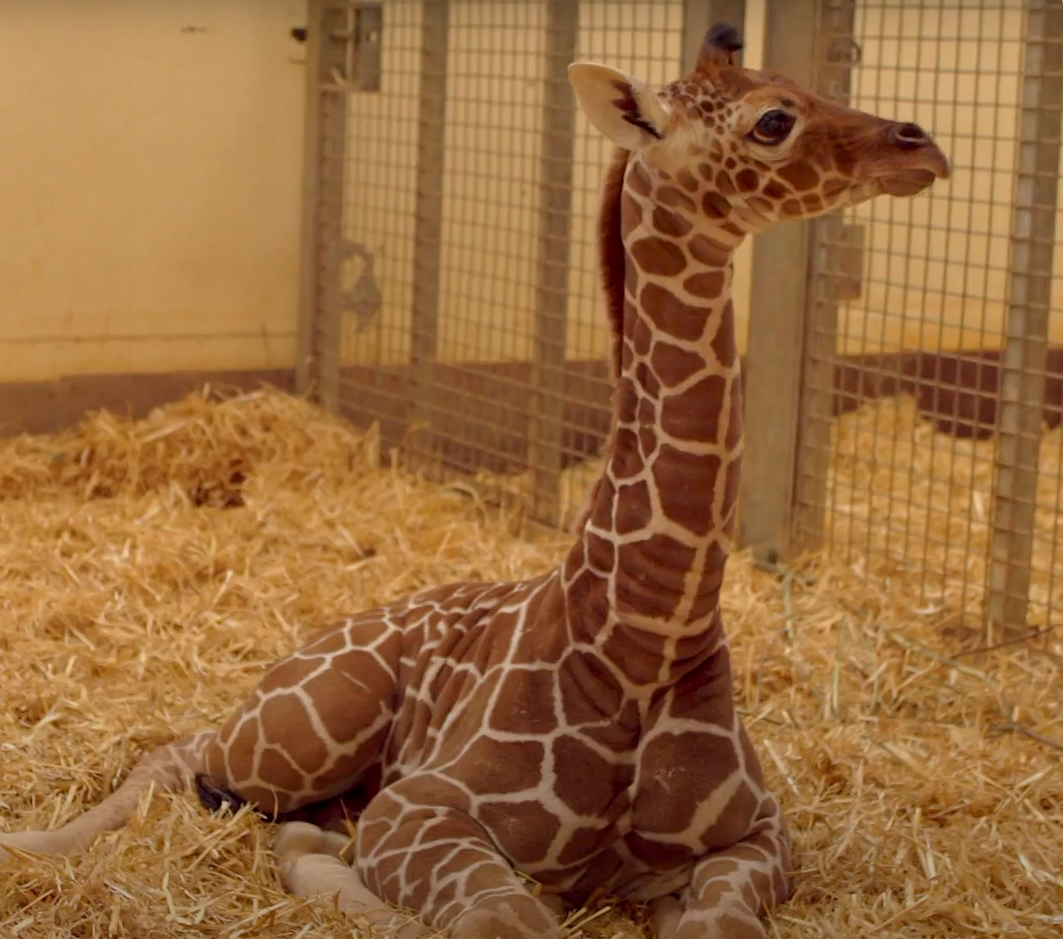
<point x="904" y="394"/>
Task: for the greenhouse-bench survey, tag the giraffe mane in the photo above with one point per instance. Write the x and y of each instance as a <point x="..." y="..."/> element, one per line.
<point x="611" y="270"/>
<point x="611" y="252"/>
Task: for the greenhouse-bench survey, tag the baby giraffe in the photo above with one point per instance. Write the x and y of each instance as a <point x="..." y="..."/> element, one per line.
<point x="519" y="749"/>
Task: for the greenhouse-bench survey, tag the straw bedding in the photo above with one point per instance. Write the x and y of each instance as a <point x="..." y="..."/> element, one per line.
<point x="151" y="571"/>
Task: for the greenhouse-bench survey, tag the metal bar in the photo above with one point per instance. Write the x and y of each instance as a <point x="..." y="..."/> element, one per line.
<point x="324" y="136"/>
<point x="777" y="321"/>
<point x="827" y="285"/>
<point x="1022" y="383"/>
<point x="555" y="221"/>
<point x="428" y="231"/>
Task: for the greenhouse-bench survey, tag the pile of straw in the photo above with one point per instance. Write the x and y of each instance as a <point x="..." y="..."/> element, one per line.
<point x="152" y="570"/>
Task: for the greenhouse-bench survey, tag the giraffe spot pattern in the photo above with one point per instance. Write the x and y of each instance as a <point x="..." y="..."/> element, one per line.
<point x="518" y="707"/>
<point x="626" y="463"/>
<point x="705" y="250"/>
<point x="590" y="783"/>
<point x="667" y="808"/>
<point x="601" y="552"/>
<point x="640" y="334"/>
<point x="671" y="223"/>
<point x="708" y="284"/>
<point x="723" y="343"/>
<point x="675" y="364"/>
<point x="671" y="315"/>
<point x="686" y="493"/>
<point x="654" y="562"/>
<point x="590" y="692"/>
<point x="708" y="593"/>
<point x="658" y="256"/>
<point x="688" y="181"/>
<point x="588" y="592"/>
<point x="647" y="441"/>
<point x="639" y="653"/>
<point x="584" y="842"/>
<point x="630" y="214"/>
<point x="627" y="401"/>
<point x="811" y="202"/>
<point x="635" y="510"/>
<point x="646" y="412"/>
<point x="747" y="180"/>
<point x="660" y="856"/>
<point x="673" y="198"/>
<point x="500" y="766"/>
<point x="694" y="414"/>
<point x="647" y="382"/>
<point x="775" y="190"/>
<point x="638" y="179"/>
<point x="275" y="766"/>
<point x="523" y="830"/>
<point x="715" y="205"/>
<point x="800" y="175"/>
<point x="833" y="188"/>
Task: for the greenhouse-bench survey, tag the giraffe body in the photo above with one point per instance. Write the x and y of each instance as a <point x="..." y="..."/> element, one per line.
<point x="578" y="727"/>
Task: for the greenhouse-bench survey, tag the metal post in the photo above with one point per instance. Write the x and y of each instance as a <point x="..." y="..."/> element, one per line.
<point x="1022" y="382"/>
<point x="428" y="232"/>
<point x="555" y="219"/>
<point x="827" y="285"/>
<point x="324" y="140"/>
<point x="776" y="334"/>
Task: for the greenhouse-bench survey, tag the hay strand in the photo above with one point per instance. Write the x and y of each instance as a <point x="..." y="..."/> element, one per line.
<point x="153" y="569"/>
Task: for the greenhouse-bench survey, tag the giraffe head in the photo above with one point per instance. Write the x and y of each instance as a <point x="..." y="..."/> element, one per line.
<point x="750" y="148"/>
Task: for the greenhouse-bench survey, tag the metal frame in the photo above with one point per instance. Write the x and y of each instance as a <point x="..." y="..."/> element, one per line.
<point x="801" y="274"/>
<point x="1033" y="231"/>
<point x="324" y="139"/>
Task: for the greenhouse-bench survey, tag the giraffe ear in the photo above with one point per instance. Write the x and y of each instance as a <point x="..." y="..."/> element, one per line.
<point x="621" y="107"/>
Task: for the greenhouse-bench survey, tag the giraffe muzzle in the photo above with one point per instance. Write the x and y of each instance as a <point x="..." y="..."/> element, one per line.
<point x="915" y="161"/>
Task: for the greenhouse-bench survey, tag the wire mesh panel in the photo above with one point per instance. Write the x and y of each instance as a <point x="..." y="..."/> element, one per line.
<point x="933" y="321"/>
<point x="459" y="302"/>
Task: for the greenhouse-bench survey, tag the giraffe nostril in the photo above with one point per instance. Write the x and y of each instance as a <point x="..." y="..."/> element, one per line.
<point x="909" y="136"/>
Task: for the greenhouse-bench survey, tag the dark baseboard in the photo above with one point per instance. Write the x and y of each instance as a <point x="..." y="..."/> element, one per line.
<point x="49" y="406"/>
<point x="481" y="410"/>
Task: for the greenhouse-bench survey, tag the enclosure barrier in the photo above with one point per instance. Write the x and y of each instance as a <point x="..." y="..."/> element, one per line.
<point x="903" y="361"/>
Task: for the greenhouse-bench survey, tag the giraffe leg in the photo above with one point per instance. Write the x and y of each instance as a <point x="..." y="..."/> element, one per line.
<point x="733" y="888"/>
<point x="419" y="851"/>
<point x="313" y="862"/>
<point x="167" y="768"/>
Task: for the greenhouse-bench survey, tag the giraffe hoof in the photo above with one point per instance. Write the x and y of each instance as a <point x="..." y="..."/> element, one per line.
<point x="299" y="838"/>
<point x="295" y="838"/>
<point x="665" y="916"/>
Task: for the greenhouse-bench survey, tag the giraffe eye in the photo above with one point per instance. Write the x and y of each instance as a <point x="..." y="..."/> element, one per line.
<point x="773" y="127"/>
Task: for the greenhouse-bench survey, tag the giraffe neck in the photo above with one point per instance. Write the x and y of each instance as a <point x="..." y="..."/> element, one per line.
<point x="658" y="532"/>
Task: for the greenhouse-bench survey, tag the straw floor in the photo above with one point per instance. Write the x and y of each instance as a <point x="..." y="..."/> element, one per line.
<point x="152" y="570"/>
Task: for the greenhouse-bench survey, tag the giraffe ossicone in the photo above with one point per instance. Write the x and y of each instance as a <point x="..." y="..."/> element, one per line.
<point x="511" y="750"/>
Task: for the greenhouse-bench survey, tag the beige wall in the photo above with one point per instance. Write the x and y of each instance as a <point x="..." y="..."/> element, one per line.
<point x="149" y="185"/>
<point x="151" y="203"/>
